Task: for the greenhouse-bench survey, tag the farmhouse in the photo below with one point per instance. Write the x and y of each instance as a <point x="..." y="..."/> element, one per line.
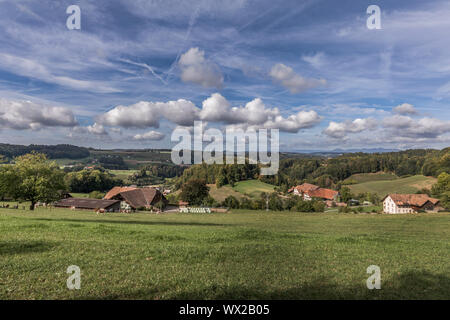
<point x="299" y="190"/>
<point x="88" y="204"/>
<point x="133" y="198"/>
<point x="410" y="203"/>
<point x="309" y="191"/>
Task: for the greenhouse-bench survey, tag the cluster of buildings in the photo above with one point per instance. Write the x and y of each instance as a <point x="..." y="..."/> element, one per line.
<point x="118" y="199"/>
<point x="392" y="203"/>
<point x="310" y="191"/>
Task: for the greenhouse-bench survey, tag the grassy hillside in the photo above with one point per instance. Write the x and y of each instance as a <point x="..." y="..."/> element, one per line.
<point x="369" y="177"/>
<point x="400" y="185"/>
<point x="219" y="194"/>
<point x="239" y="255"/>
<point x="253" y="188"/>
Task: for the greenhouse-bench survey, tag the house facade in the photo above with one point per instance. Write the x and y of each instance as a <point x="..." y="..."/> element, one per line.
<point x="410" y="203"/>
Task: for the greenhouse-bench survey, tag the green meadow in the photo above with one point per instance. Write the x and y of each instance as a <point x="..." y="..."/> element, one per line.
<point x="237" y="255"/>
<point x="376" y="184"/>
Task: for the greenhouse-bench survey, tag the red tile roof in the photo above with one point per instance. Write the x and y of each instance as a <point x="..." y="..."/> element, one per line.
<point x="322" y="193"/>
<point x="136" y="197"/>
<point x="116" y="190"/>
<point x="304" y="187"/>
<point x="417" y="200"/>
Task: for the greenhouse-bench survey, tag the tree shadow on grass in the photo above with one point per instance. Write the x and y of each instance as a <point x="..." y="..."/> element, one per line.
<point x="24" y="246"/>
<point x="155" y="223"/>
<point x="407" y="286"/>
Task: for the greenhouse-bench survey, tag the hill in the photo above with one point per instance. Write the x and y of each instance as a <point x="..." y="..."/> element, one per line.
<point x="400" y="185"/>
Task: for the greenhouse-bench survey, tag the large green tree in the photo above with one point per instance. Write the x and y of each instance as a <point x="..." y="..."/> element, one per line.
<point x="33" y="178"/>
<point x="194" y="191"/>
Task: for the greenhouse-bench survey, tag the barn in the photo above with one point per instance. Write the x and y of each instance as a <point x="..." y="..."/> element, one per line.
<point x="89" y="204"/>
<point x="133" y="198"/>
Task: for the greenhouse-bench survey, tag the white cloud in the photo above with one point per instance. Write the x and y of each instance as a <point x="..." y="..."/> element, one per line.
<point x="148" y="114"/>
<point x="339" y="130"/>
<point x="95" y="129"/>
<point x="404" y="126"/>
<point x="151" y="135"/>
<point x="214" y="109"/>
<point x="317" y="60"/>
<point x="30" y="68"/>
<point x="196" y="69"/>
<point x="405" y="108"/>
<point x="22" y="115"/>
<point x="285" y="76"/>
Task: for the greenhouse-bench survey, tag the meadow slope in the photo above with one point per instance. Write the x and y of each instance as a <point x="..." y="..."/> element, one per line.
<point x="239" y="255"/>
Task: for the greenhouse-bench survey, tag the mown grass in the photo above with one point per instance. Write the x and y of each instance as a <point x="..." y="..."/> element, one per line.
<point x="401" y="185"/>
<point x="253" y="188"/>
<point x="369" y="177"/>
<point x="220" y="194"/>
<point x="239" y="255"/>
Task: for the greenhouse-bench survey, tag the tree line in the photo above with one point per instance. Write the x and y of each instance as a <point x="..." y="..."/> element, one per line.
<point x="52" y="152"/>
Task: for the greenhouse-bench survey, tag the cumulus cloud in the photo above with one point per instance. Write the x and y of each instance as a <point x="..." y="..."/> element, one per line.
<point x="148" y="114"/>
<point x="404" y="126"/>
<point x="95" y="129"/>
<point x="195" y="68"/>
<point x="405" y="109"/>
<point x="214" y="109"/>
<point x="339" y="130"/>
<point x="151" y="135"/>
<point x="286" y="76"/>
<point x="23" y="115"/>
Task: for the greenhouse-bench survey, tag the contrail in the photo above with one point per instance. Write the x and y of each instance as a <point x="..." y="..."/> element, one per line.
<point x="146" y="66"/>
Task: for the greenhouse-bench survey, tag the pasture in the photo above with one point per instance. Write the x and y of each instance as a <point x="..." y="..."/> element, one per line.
<point x="401" y="185"/>
<point x="238" y="255"/>
<point x="253" y="188"/>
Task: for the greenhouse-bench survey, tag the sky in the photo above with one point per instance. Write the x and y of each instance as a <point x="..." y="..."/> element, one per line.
<point x="137" y="70"/>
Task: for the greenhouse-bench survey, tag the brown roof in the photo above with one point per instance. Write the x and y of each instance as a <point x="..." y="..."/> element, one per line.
<point x="322" y="193"/>
<point x="304" y="187"/>
<point x="139" y="197"/>
<point x="85" y="203"/>
<point x="417" y="200"/>
<point x="116" y="190"/>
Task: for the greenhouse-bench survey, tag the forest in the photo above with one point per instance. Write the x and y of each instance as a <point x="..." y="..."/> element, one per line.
<point x="52" y="152"/>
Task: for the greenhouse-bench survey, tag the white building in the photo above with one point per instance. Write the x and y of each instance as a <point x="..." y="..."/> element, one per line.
<point x="409" y="203"/>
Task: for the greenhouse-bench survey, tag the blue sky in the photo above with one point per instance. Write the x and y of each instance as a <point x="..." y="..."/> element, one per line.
<point x="312" y="69"/>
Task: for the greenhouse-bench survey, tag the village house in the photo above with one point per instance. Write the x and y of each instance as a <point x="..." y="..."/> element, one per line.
<point x="134" y="198"/>
<point x="410" y="203"/>
<point x="310" y="191"/>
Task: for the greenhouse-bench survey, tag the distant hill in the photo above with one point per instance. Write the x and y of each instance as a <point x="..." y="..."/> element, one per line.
<point x="53" y="152"/>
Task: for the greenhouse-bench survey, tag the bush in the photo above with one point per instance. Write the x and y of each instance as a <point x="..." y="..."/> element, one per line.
<point x="96" y="195"/>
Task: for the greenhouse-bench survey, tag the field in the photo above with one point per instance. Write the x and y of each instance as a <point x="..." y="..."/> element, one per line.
<point x="239" y="255"/>
<point x="253" y="188"/>
<point x="123" y="174"/>
<point x="370" y="177"/>
<point x="219" y="194"/>
<point x="400" y="185"/>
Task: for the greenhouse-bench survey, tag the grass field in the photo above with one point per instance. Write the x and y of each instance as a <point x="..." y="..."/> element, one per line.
<point x="253" y="188"/>
<point x="401" y="185"/>
<point x="219" y="194"/>
<point x="240" y="255"/>
<point x="123" y="174"/>
<point x="370" y="177"/>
